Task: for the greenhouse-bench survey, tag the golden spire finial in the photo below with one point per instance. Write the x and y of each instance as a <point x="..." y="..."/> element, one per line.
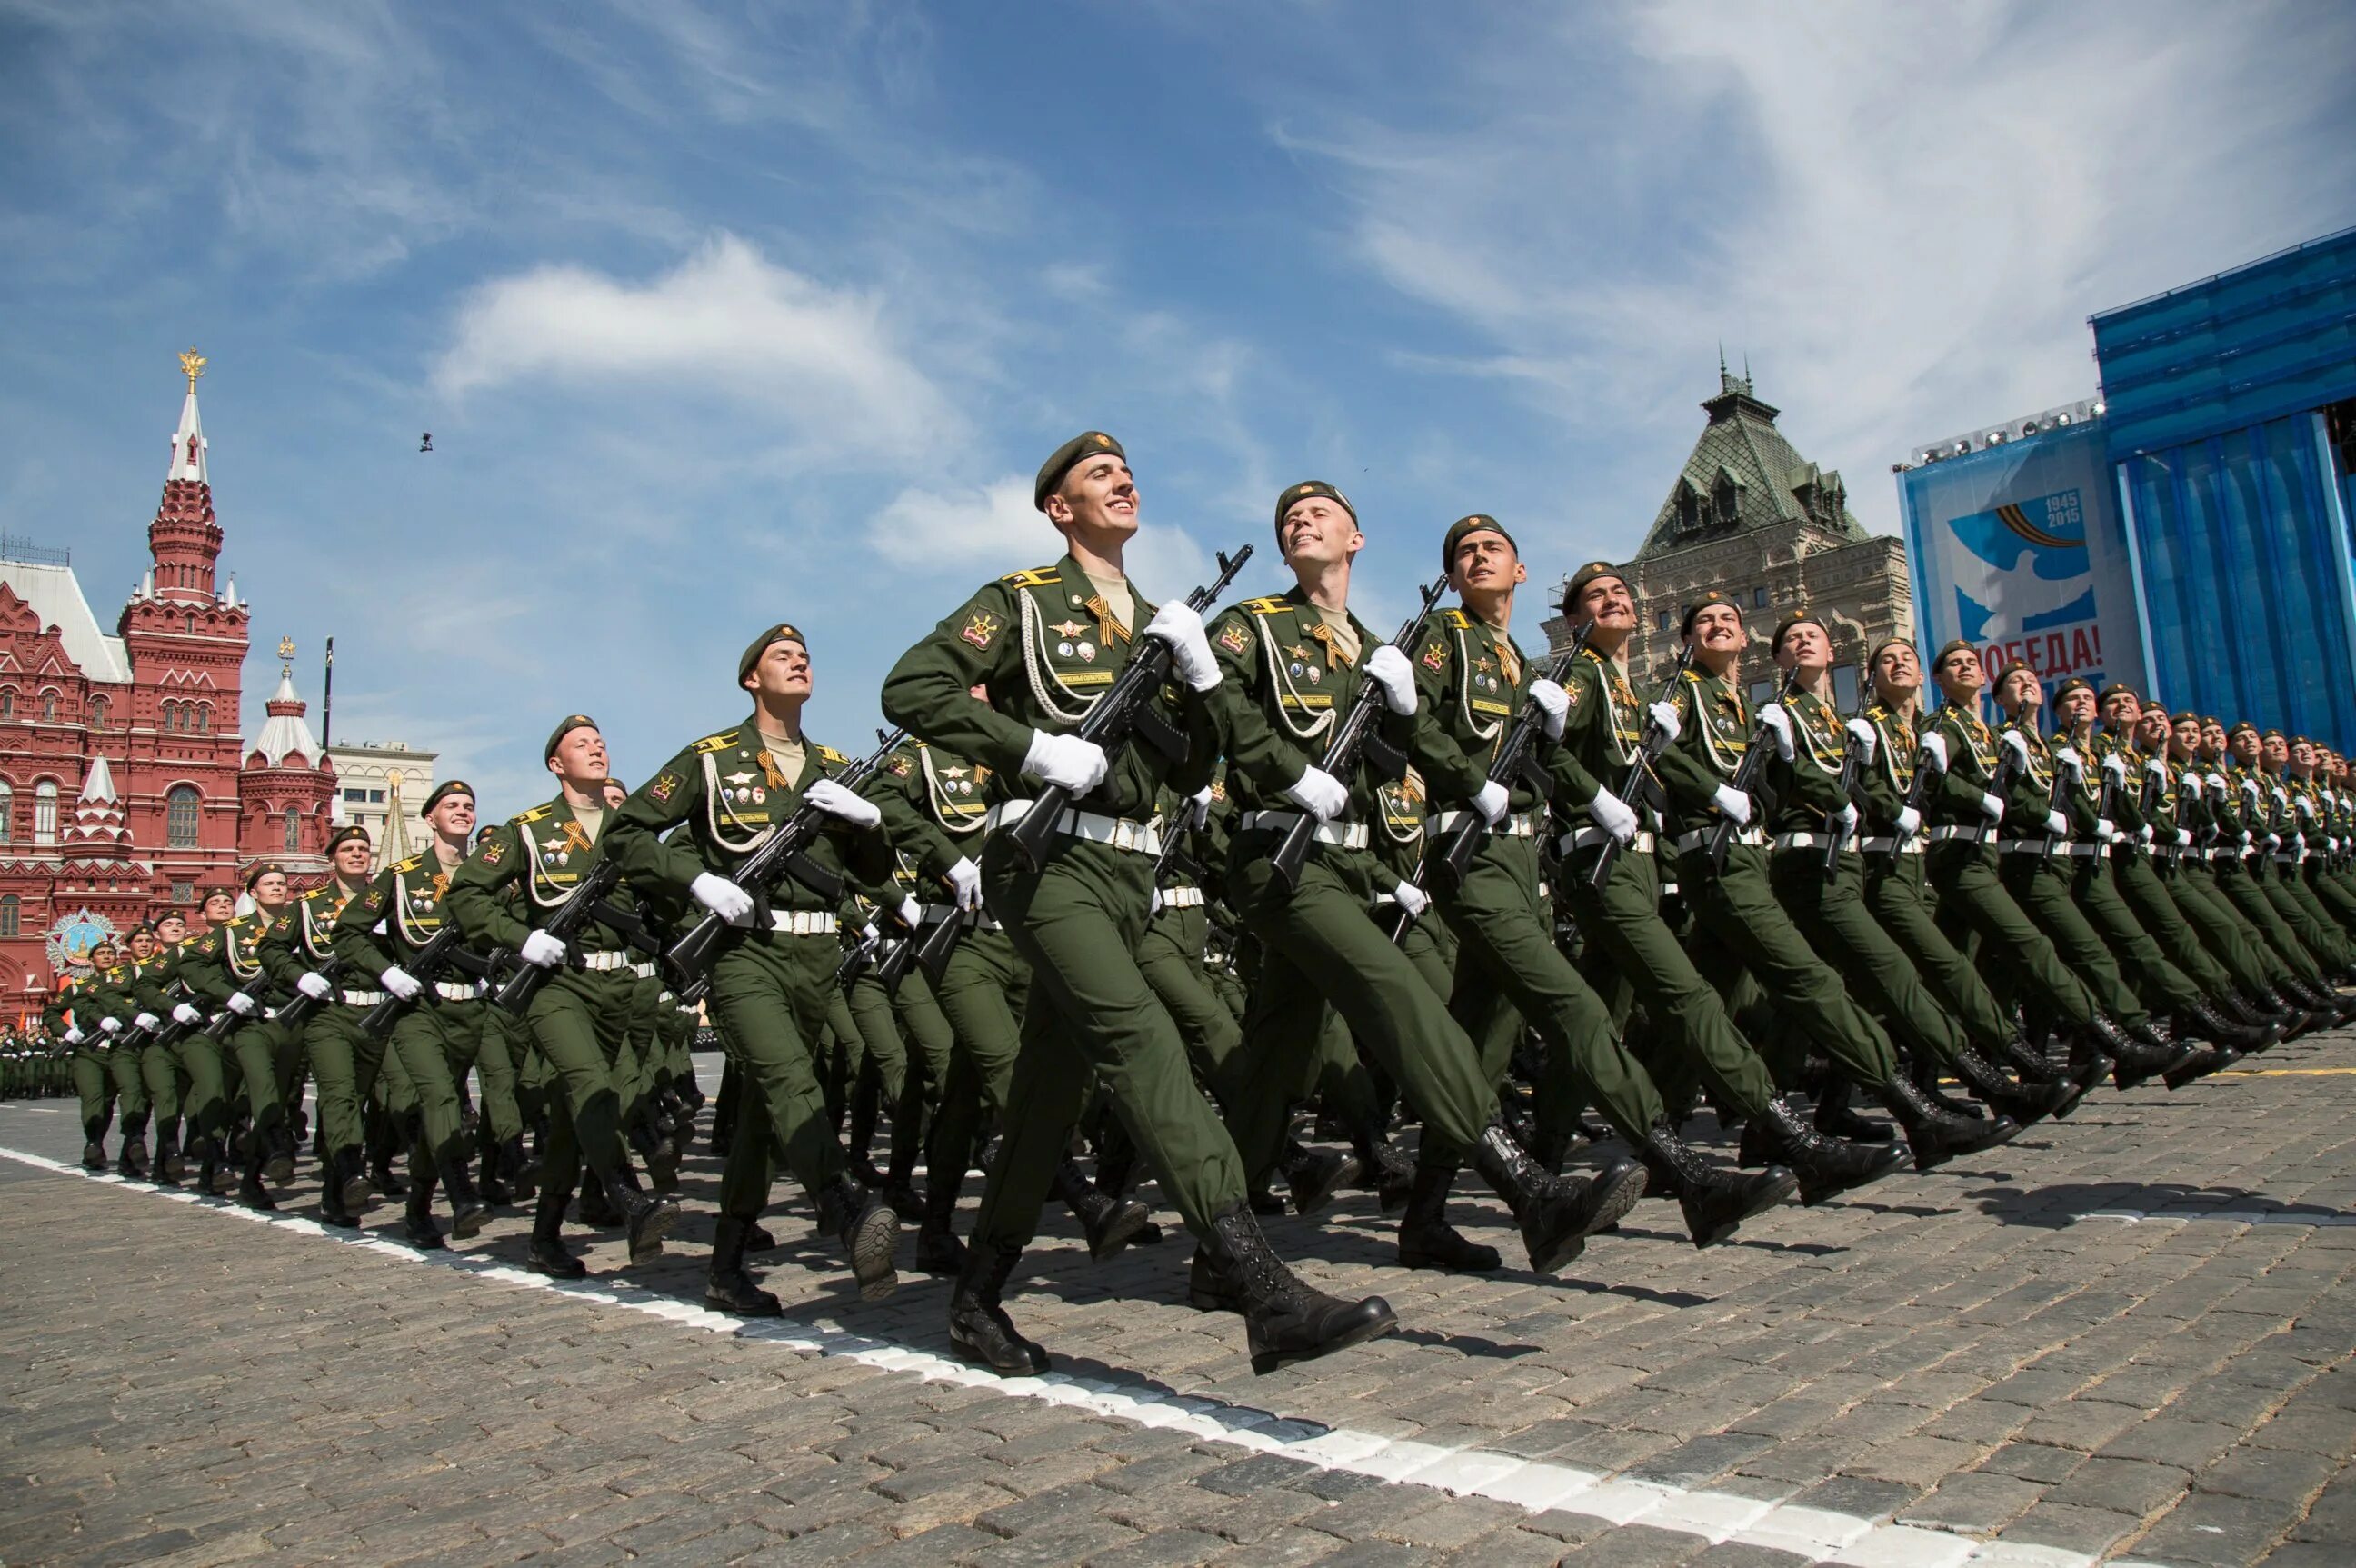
<point x="286" y="653"/>
<point x="192" y="365"/>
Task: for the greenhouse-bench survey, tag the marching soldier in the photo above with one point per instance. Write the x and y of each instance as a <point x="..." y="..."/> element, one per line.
<point x="1046" y="644"/>
<point x="344" y="1061"/>
<point x="732" y="790"/>
<point x="70" y="1016"/>
<point x="224" y="969"/>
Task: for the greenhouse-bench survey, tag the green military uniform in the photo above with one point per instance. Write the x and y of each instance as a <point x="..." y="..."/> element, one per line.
<point x="346" y="1062"/>
<point x="226" y="964"/>
<point x="2287" y="884"/>
<point x="2147" y="874"/>
<point x="69" y="1011"/>
<point x="116" y="1009"/>
<point x="2243" y="878"/>
<point x="2213" y="816"/>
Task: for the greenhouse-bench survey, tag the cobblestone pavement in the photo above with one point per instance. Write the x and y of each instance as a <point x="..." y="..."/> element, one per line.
<point x="2125" y="1338"/>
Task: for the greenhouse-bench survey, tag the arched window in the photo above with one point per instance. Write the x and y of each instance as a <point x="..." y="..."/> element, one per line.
<point x="293" y="830"/>
<point x="100" y="709"/>
<point x="8" y="702"/>
<point x="48" y="706"/>
<point x="7" y="810"/>
<point x="204" y="718"/>
<point x="180" y="817"/>
<point x="12" y="916"/>
<point x="45" y="812"/>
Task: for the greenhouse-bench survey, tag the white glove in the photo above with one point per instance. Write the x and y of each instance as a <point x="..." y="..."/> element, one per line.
<point x="1554" y="703"/>
<point x="2282" y="796"/>
<point x="839" y="803"/>
<point x="2184" y="838"/>
<point x="2116" y="767"/>
<point x="2145" y="834"/>
<point x="73" y="1034"/>
<point x="1844" y="821"/>
<point x="1991" y="808"/>
<point x="722" y="898"/>
<point x="1492" y="800"/>
<point x="2247" y="838"/>
<point x="543" y="949"/>
<point x="1734" y="803"/>
<point x="1865" y="736"/>
<point x="965" y="880"/>
<point x="2273" y="841"/>
<point x="240" y="1003"/>
<point x="2303" y="806"/>
<point x="1935" y="747"/>
<point x="2190" y="785"/>
<point x="1613" y="815"/>
<point x="1909" y="820"/>
<point x="1779" y="724"/>
<point x="1182" y="629"/>
<point x="1153" y="905"/>
<point x="912" y="914"/>
<point x="2056" y="825"/>
<point x="1389" y="668"/>
<point x="2104" y="830"/>
<point x="186" y="1012"/>
<point x="2015" y="743"/>
<point x="2068" y="757"/>
<point x="400" y="982"/>
<point x="2154" y="767"/>
<point x="1319" y="793"/>
<point x="869" y="934"/>
<point x="147" y="1021"/>
<point x="314" y="985"/>
<point x="1412" y="899"/>
<point x="111" y="1025"/>
<point x="1665" y="715"/>
<point x="1065" y="761"/>
<point x="2217" y="782"/>
<point x="1198" y="806"/>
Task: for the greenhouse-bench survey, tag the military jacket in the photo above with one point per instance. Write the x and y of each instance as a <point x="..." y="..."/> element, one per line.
<point x="1898" y="751"/>
<point x="2082" y="793"/>
<point x="64" y="1004"/>
<point x="228" y="958"/>
<point x="2126" y="799"/>
<point x="1399" y="830"/>
<point x="935" y="805"/>
<point x="1972" y="751"/>
<point x="399" y="912"/>
<point x="109" y="994"/>
<point x="1287" y="681"/>
<point x="1807" y="790"/>
<point x="526" y="867"/>
<point x="302" y="938"/>
<point x="2031" y="798"/>
<point x="1047" y="648"/>
<point x="1714" y="721"/>
<point x="1471" y="682"/>
<point x="1602" y="735"/>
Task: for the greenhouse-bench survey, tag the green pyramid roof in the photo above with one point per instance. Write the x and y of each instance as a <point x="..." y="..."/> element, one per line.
<point x="1743" y="474"/>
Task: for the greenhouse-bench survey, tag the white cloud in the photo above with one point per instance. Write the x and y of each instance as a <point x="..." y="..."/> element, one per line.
<point x="993" y="528"/>
<point x="724" y="322"/>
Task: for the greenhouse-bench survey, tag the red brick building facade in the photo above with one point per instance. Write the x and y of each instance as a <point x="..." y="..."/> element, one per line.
<point x="127" y="782"/>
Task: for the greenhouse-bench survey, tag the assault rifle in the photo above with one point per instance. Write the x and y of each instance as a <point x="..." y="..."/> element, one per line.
<point x="781" y="855"/>
<point x="566" y="922"/>
<point x="1638" y="786"/>
<point x="1352" y="738"/>
<point x="1448" y="859"/>
<point x="1119" y="714"/>
<point x="2054" y="797"/>
<point x="855" y="960"/>
<point x="445" y="950"/>
<point x="1746" y="775"/>
<point x="1851" y="764"/>
<point x="219" y="1028"/>
<point x="2008" y="764"/>
<point x="303" y="1005"/>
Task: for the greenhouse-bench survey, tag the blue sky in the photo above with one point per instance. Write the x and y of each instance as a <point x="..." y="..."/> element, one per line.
<point x="724" y="315"/>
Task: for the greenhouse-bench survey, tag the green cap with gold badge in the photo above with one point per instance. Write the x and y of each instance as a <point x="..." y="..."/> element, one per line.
<point x="565" y="727"/>
<point x="1581" y="579"/>
<point x="1713" y="596"/>
<point x="783" y="631"/>
<point x="1303" y="491"/>
<point x="1062" y="460"/>
<point x="442" y="792"/>
<point x="1463" y="528"/>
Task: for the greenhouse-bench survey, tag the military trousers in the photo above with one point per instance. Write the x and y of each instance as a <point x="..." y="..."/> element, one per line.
<point x="1509" y="971"/>
<point x="2221" y="929"/>
<point x="768" y="1000"/>
<point x="1739" y="925"/>
<point x="982" y="993"/>
<point x="1897" y="889"/>
<point x="1631" y="953"/>
<point x="880" y="1033"/>
<point x="1974" y="902"/>
<point x="2099" y="889"/>
<point x="94" y="1085"/>
<point x="1170" y="957"/>
<point x="2148" y="887"/>
<point x="122" y="1065"/>
<point x="1078" y="922"/>
<point x="437" y="1044"/>
<point x="932" y="1046"/>
<point x="579" y="1020"/>
<point x="2331" y="888"/>
<point x="1832" y="915"/>
<point x="2309" y="918"/>
<point x="346" y="1060"/>
<point x="159" y="1072"/>
<point x="2042" y="891"/>
<point x="1322" y="953"/>
<point x="2243" y="888"/>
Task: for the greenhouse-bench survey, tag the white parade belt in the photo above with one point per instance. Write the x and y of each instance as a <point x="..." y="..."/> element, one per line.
<point x="1136" y="838"/>
<point x="1349" y="835"/>
<point x="1941" y="835"/>
<point x="1755" y="837"/>
<point x="797" y="923"/>
<point x="1520" y="825"/>
<point x="1886" y="846"/>
<point x="1589" y="838"/>
<point x="1182" y="897"/>
<point x="644" y="970"/>
<point x="458" y="990"/>
<point x="2030" y="846"/>
<point x="1804" y="841"/>
<point x="607" y="961"/>
<point x="364" y="998"/>
<point x="935" y="913"/>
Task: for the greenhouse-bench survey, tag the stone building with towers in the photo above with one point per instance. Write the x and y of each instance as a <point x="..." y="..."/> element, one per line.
<point x="128" y="782"/>
<point x="1749" y="516"/>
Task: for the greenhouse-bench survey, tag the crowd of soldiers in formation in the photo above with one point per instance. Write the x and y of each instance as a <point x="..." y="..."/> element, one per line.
<point x="1239" y="897"/>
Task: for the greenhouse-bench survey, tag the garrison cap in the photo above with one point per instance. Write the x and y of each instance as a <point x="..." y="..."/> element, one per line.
<point x="351" y="831"/>
<point x="1303" y="491"/>
<point x="262" y="869"/>
<point x="1801" y="616"/>
<point x="1064" y="458"/>
<point x="1463" y="528"/>
<point x="442" y="792"/>
<point x="783" y="631"/>
<point x="565" y="727"/>
<point x="1585" y="575"/>
<point x="1712" y="598"/>
<point x="2075" y="684"/>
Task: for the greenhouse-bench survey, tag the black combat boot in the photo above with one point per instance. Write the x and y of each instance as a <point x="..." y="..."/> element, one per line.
<point x="279" y="1145"/>
<point x="1284" y="1320"/>
<point x="661" y="1162"/>
<point x="1313" y="1175"/>
<point x="1110" y="1223"/>
<point x="1714" y="1202"/>
<point x="2030" y="1062"/>
<point x="548" y="1255"/>
<point x="2025" y="1103"/>
<point x="1264" y="1202"/>
<point x="1935" y="1136"/>
<point x="2148" y="1053"/>
<point x="2202" y="1022"/>
<point x="981" y="1334"/>
<point x="2204" y="1061"/>
<point x="1383" y="1168"/>
<point x="332" y="1211"/>
<point x="758" y="1240"/>
<point x="381" y="1176"/>
<point x="727" y="1287"/>
<point x="938" y="1251"/>
<point x="493" y="1185"/>
<point x="869" y="1229"/>
<point x="1426" y="1240"/>
<point x="418" y="1226"/>
<point x="207" y="1157"/>
<point x="250" y="1190"/>
<point x="1208" y="1290"/>
<point x="1556" y="1214"/>
<point x="468" y="1212"/>
<point x="1826" y="1166"/>
<point x="169" y="1166"/>
<point x="647" y="1218"/>
<point x="518" y="1171"/>
<point x="1925" y="1075"/>
<point x="93" y="1144"/>
<point x="1837" y="1118"/>
<point x="133" y="1162"/>
<point x="900" y="1175"/>
<point x="347" y="1172"/>
<point x="596" y="1210"/>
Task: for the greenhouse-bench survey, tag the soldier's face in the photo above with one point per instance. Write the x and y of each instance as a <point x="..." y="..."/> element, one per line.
<point x="270" y="889"/>
<point x="614" y="795"/>
<point x="2245" y="746"/>
<point x="143" y="946"/>
<point x="2151" y="729"/>
<point x="2120" y="711"/>
<point x="2077" y="709"/>
<point x="170" y="929"/>
<point x="219" y="908"/>
<point x="2302" y="756"/>
<point x="2020" y="693"/>
<point x="453" y="817"/>
<point x="2212" y="738"/>
<point x="102" y="956"/>
<point x="1486" y="562"/>
<point x="352" y="858"/>
<point x="1718" y="628"/>
<point x="580" y="757"/>
<point x="1096" y="499"/>
<point x="2188" y="738"/>
<point x="782" y="671"/>
<point x="2277" y="750"/>
<point x="1960" y="675"/>
<point x="1806" y="648"/>
<point x="1608" y="603"/>
<point x="1318" y="531"/>
<point x="1897" y="671"/>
